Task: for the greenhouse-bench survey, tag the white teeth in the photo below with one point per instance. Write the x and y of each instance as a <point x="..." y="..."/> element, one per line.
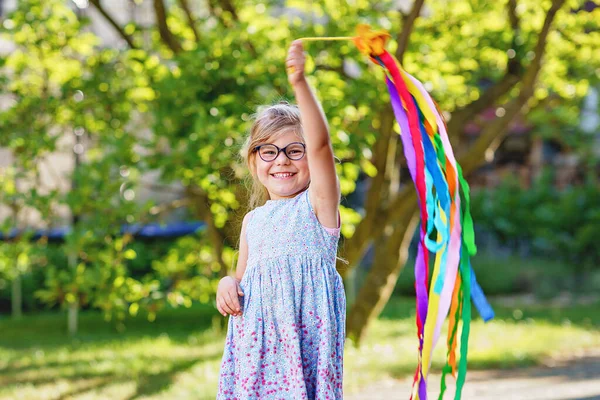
<point x="282" y="175"/>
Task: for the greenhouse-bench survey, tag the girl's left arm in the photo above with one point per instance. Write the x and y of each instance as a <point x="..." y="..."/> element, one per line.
<point x="324" y="190"/>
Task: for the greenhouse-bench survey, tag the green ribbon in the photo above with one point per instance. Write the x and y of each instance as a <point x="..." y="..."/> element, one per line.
<point x="465" y="271"/>
<point x="447" y="368"/>
<point x="445" y="371"/>
<point x="439" y="149"/>
<point x="467" y="223"/>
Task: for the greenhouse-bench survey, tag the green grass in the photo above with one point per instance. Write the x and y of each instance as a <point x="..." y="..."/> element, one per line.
<point x="178" y="356"/>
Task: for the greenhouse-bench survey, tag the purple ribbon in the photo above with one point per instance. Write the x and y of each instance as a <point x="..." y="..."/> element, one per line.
<point x="402" y="118"/>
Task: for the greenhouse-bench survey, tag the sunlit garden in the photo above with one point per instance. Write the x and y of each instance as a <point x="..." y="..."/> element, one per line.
<point x="122" y="188"/>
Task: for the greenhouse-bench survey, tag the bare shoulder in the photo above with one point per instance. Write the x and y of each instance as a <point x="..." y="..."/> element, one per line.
<point x="246" y="219"/>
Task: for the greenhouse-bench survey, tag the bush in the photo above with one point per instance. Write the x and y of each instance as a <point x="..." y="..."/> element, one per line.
<point x="543" y="221"/>
<point x="155" y="273"/>
<point x="539" y="240"/>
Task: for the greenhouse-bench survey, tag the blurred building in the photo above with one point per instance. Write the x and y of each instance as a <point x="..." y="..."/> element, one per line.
<point x="56" y="168"/>
<point x="524" y="154"/>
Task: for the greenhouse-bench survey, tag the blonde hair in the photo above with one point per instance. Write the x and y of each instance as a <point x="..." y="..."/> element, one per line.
<point x="269" y="122"/>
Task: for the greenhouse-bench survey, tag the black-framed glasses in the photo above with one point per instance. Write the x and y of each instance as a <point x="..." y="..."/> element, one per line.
<point x="269" y="152"/>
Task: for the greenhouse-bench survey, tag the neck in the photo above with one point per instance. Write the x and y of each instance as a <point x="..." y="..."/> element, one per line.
<point x="290" y="196"/>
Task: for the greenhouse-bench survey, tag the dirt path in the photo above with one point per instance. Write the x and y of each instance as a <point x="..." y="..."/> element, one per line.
<point x="575" y="379"/>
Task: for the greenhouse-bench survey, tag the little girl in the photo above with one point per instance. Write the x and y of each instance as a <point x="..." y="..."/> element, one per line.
<point x="286" y="336"/>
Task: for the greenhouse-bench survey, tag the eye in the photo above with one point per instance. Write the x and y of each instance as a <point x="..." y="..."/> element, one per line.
<point x="295" y="150"/>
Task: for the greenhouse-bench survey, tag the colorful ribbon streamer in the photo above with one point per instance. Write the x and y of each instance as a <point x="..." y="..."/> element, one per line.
<point x="444" y="203"/>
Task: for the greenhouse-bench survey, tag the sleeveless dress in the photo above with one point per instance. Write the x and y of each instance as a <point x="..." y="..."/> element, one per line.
<point x="289" y="341"/>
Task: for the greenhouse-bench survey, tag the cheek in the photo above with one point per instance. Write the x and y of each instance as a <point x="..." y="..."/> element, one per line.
<point x="303" y="169"/>
<point x="262" y="170"/>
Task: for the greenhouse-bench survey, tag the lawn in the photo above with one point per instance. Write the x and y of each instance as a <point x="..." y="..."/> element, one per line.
<point x="178" y="355"/>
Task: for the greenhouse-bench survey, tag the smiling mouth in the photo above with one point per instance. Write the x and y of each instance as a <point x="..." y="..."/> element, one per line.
<point x="283" y="175"/>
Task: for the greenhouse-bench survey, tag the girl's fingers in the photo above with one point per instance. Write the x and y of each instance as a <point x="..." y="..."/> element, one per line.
<point x="233" y="300"/>
<point x="297" y="44"/>
<point x="224" y="307"/>
<point x="296" y="54"/>
<point x="228" y="306"/>
<point x="295" y="65"/>
<point x="293" y="61"/>
<point x="221" y="311"/>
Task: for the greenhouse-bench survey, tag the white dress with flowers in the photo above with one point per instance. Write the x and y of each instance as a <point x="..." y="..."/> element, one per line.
<point x="289" y="341"/>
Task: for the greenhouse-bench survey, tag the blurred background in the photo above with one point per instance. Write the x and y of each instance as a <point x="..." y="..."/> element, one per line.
<point x="122" y="191"/>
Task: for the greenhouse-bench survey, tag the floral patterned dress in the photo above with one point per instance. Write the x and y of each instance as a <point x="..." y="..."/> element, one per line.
<point x="289" y="341"/>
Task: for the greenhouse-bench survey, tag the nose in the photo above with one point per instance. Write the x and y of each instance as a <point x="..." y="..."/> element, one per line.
<point x="282" y="159"/>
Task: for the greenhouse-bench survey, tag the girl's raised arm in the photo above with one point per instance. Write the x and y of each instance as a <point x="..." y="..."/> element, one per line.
<point x="324" y="190"/>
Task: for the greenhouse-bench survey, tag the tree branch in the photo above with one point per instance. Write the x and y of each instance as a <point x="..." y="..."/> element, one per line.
<point x="515" y="23"/>
<point x="383" y="275"/>
<point x="190" y="17"/>
<point x="202" y="210"/>
<point x="157" y="187"/>
<point x="514" y="72"/>
<point x="216" y="8"/>
<point x="227" y="5"/>
<point x="173" y="205"/>
<point x="165" y="34"/>
<point x="357" y="243"/>
<point x="114" y="24"/>
<point x="407" y="27"/>
<point x="339" y="70"/>
<point x="492" y="135"/>
<point x="487" y="99"/>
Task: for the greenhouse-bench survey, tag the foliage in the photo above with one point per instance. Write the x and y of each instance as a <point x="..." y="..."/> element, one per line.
<point x="175" y="272"/>
<point x="560" y="224"/>
<point x="180" y="112"/>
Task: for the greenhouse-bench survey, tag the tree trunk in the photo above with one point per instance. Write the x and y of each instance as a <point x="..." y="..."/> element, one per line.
<point x="73" y="310"/>
<point x="72" y="318"/>
<point x="391" y="255"/>
<point x="354" y="247"/>
<point x="17" y="297"/>
<point x="215" y="235"/>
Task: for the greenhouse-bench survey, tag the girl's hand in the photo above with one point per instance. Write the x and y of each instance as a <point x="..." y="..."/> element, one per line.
<point x="227" y="296"/>
<point x="295" y="62"/>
